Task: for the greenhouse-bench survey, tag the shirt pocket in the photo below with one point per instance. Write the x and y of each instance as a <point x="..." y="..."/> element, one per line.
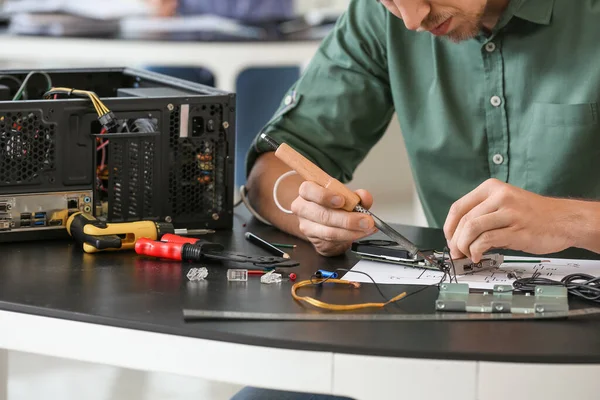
<point x="563" y="150"/>
<point x="565" y="115"/>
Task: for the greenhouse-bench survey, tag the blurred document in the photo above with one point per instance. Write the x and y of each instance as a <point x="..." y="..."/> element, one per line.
<point x="201" y="23"/>
<point x="59" y="25"/>
<point x="103" y="9"/>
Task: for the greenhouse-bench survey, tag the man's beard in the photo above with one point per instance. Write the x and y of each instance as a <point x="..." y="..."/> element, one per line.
<point x="470" y="24"/>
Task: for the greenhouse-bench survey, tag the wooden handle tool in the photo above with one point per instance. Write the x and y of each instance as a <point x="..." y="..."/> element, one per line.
<point x="311" y="172"/>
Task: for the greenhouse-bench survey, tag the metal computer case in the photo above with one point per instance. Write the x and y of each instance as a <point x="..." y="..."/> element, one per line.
<point x="173" y="160"/>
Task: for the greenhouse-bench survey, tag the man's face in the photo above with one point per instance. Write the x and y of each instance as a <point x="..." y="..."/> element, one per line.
<point x="455" y="19"/>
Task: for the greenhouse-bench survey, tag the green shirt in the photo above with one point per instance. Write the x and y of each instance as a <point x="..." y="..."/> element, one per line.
<point x="520" y="105"/>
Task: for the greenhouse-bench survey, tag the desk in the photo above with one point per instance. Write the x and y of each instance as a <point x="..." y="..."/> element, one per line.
<point x="126" y="311"/>
<point x="224" y="59"/>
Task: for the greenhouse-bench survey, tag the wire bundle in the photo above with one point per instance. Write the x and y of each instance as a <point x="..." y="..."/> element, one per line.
<point x="580" y="285"/>
<point x="338" y="307"/>
<point x="101" y="109"/>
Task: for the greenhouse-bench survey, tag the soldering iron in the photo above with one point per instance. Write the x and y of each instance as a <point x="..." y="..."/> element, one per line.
<point x="311" y="172"/>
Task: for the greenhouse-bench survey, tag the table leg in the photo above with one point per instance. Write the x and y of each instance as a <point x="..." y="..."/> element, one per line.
<point x="3" y="374"/>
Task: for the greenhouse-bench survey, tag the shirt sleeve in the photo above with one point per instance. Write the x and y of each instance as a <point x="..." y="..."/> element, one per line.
<point x="342" y="104"/>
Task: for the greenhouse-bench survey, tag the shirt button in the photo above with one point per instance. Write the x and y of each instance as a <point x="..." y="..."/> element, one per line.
<point x="496" y="101"/>
<point x="498" y="159"/>
<point x="490" y="47"/>
<point x="288" y="100"/>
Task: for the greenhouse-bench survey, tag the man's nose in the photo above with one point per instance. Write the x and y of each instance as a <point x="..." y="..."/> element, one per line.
<point x="413" y="14"/>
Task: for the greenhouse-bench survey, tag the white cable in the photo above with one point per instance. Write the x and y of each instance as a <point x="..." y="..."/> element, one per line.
<point x="252" y="210"/>
<point x="282" y="177"/>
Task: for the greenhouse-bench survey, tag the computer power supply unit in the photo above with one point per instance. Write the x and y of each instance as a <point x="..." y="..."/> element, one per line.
<point x="119" y="143"/>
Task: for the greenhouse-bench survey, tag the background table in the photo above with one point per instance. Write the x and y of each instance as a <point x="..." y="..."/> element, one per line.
<point x="225" y="59"/>
<point x="126" y="311"/>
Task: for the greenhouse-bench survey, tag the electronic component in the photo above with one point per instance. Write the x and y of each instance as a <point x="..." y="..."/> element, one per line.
<point x="465" y="266"/>
<point x="143" y="146"/>
<point x="546" y="299"/>
<point x="271" y="277"/>
<point x="237" y="275"/>
<point x="384" y="250"/>
<point x="389" y="251"/>
<point x="31" y="214"/>
<point x="197" y="274"/>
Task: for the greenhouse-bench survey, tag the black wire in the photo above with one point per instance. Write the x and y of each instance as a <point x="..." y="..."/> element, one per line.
<point x="376" y="284"/>
<point x="315" y="275"/>
<point x="442" y="266"/>
<point x="17" y="80"/>
<point x="580" y="285"/>
<point x="368" y="276"/>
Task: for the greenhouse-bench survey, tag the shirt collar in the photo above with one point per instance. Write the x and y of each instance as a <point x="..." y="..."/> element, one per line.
<point x="536" y="11"/>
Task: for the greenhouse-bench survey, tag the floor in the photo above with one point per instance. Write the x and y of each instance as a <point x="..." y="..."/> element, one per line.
<point x="39" y="377"/>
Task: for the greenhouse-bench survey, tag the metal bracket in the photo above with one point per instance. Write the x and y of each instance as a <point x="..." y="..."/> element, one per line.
<point x="465" y="266"/>
<point x="457" y="297"/>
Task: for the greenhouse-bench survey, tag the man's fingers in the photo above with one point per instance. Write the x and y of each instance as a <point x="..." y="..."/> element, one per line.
<point x="495" y="239"/>
<point x="315" y="193"/>
<point x="331" y="217"/>
<point x="465" y="204"/>
<point x="487" y="206"/>
<point x="366" y="199"/>
<point x="477" y="227"/>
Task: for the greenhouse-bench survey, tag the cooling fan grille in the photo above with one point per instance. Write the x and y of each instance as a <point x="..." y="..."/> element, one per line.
<point x="27" y="148"/>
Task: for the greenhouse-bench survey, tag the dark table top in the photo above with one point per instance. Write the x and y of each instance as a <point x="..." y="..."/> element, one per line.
<point x="56" y="279"/>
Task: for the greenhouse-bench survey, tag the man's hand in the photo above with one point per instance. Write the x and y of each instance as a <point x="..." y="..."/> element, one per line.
<point x="164" y="8"/>
<point x="329" y="228"/>
<point x="501" y="216"/>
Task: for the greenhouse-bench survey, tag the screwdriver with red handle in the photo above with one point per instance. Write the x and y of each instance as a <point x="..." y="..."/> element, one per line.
<point x="174" y="247"/>
<point x="179" y="250"/>
<point x="170" y="251"/>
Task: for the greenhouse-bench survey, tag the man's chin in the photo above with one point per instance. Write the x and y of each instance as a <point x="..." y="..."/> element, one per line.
<point x="457" y="36"/>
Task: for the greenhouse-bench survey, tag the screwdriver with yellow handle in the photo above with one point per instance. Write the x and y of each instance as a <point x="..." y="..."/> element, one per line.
<point x="309" y="171"/>
<point x="95" y="235"/>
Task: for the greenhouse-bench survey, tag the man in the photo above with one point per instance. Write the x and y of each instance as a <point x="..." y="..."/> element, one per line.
<point x="498" y="103"/>
<point x="497" y="100"/>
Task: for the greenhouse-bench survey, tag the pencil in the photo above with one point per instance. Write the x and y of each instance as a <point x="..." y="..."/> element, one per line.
<point x="524" y="261"/>
<point x="263" y="244"/>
